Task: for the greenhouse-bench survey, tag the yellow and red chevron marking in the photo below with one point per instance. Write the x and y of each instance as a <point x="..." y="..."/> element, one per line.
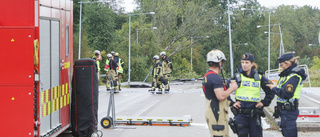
<point x="45" y="103"/>
<point x="55" y="98"/>
<point x="60" y="98"/>
<point x="65" y="96"/>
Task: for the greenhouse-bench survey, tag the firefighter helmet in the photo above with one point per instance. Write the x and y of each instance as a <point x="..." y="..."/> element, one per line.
<point x="96" y="52"/>
<point x="116" y="54"/>
<point x="215" y="56"/>
<point x="156" y="57"/>
<point x="162" y="53"/>
<point x="112" y="53"/>
<point x="109" y="56"/>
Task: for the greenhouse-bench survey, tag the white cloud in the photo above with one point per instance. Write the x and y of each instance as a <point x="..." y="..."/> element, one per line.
<point x="129" y="5"/>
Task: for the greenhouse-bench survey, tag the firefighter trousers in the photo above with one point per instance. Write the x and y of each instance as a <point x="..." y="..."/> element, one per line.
<point x="166" y="82"/>
<point x="216" y="114"/>
<point x="119" y="79"/>
<point x="156" y="83"/>
<point x="114" y="77"/>
<point x="107" y="80"/>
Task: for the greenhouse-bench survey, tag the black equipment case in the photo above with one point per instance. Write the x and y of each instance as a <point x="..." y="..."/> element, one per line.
<point x="84" y="104"/>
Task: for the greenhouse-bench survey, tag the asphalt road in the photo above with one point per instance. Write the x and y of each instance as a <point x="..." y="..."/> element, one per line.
<point x="183" y="99"/>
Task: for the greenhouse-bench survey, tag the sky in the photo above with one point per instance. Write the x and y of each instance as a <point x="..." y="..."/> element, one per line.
<point x="130" y="6"/>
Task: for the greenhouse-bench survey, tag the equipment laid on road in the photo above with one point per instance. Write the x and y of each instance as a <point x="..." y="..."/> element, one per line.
<point x="154" y="121"/>
<point x="309" y="114"/>
<point x="111" y="121"/>
<point x="37" y="51"/>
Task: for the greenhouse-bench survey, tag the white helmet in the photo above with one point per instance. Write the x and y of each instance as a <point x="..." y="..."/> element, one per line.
<point x="215" y="56"/>
<point x="96" y="52"/>
<point x="162" y="53"/>
<point x="112" y="53"/>
<point x="156" y="57"/>
<point x="109" y="56"/>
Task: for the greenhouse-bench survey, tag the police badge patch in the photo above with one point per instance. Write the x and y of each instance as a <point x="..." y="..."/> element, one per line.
<point x="289" y="88"/>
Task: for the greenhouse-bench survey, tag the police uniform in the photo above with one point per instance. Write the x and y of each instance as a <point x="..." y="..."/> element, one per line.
<point x="248" y="117"/>
<point x="157" y="76"/>
<point x="288" y="93"/>
<point x="216" y="112"/>
<point x="167" y="70"/>
<point x="120" y="64"/>
<point x="113" y="72"/>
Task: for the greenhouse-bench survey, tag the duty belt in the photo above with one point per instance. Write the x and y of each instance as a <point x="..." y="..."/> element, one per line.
<point x="245" y="110"/>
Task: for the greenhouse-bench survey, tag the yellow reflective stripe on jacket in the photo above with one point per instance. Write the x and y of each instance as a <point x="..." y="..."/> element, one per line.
<point x="249" y="89"/>
<point x="156" y="69"/>
<point x="120" y="67"/>
<point x="297" y="92"/>
<point x="107" y="63"/>
<point x="166" y="67"/>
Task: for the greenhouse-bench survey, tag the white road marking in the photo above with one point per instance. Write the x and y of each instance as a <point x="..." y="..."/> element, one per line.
<point x="145" y="108"/>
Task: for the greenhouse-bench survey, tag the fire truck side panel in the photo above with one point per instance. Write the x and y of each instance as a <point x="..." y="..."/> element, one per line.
<point x="16" y="101"/>
<point x="16" y="47"/>
<point x="56" y="3"/>
<point x="45" y="3"/>
<point x="23" y="23"/>
<point x="17" y="79"/>
<point x="11" y="16"/>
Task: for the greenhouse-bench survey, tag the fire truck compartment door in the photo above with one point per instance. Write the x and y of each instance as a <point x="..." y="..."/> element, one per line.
<point x="50" y="89"/>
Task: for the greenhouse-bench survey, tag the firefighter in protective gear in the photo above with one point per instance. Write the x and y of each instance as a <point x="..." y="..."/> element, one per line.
<point x="113" y="72"/>
<point x="217" y="104"/>
<point x="106" y="68"/>
<point x="97" y="57"/>
<point x="167" y="70"/>
<point x="249" y="105"/>
<point x="157" y="75"/>
<point x="288" y="91"/>
<point x="119" y="68"/>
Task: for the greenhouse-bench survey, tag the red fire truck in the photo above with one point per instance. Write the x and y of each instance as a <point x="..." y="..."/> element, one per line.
<point x="36" y="53"/>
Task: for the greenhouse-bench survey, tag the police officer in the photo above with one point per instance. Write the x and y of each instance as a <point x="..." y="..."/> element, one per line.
<point x="97" y="57"/>
<point x="248" y="105"/>
<point x="113" y="72"/>
<point x="288" y="91"/>
<point x="217" y="104"/>
<point x="157" y="75"/>
<point x="167" y="70"/>
<point x="106" y="68"/>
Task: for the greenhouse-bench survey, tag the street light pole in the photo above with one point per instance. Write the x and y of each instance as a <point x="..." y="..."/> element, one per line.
<point x="191" y="53"/>
<point x="129" y="64"/>
<point x="230" y="41"/>
<point x="269" y="45"/>
<point x="79" y="52"/>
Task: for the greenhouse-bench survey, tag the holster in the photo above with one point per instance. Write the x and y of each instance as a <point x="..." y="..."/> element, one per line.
<point x="277" y="112"/>
<point x="234" y="110"/>
<point x="232" y="125"/>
